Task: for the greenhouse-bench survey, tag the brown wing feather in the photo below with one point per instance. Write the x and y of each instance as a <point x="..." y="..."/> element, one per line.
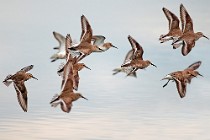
<point x="27" y="68"/>
<point x="181" y="87"/>
<point x="128" y="56"/>
<point x="172" y="19"/>
<point x="66" y="106"/>
<point x="187" y="23"/>
<point x="67" y="82"/>
<point x="68" y="44"/>
<point x="194" y="66"/>
<point x="86" y="35"/>
<point x="137" y="49"/>
<point x="187" y="46"/>
<point x="21" y="94"/>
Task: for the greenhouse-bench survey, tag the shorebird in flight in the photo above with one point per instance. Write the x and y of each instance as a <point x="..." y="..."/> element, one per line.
<point x="174" y="29"/>
<point x="181" y="78"/>
<point x="99" y="41"/>
<point x="189" y="37"/>
<point x="137" y="61"/>
<point x="18" y="80"/>
<point x="61" y="54"/>
<point x="67" y="95"/>
<point x="85" y="47"/>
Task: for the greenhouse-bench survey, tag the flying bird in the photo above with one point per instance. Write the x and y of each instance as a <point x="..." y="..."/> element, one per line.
<point x="183" y="77"/>
<point x="137" y="61"/>
<point x="174" y="29"/>
<point x="75" y="64"/>
<point x="189" y="37"/>
<point x="61" y="54"/>
<point x="67" y="94"/>
<point x="85" y="47"/>
<point x="18" y="80"/>
<point x="99" y="41"/>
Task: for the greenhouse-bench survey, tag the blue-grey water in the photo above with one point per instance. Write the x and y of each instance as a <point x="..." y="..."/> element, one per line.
<point x="118" y="107"/>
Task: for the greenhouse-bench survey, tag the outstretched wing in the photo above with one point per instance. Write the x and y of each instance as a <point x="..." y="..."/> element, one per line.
<point x="21" y="94"/>
<point x="181" y="87"/>
<point x="86" y="34"/>
<point x="187" y="46"/>
<point x="98" y="40"/>
<point x="66" y="106"/>
<point x="129" y="56"/>
<point x="60" y="38"/>
<point x="137" y="49"/>
<point x="194" y="66"/>
<point x="172" y="19"/>
<point x="67" y="81"/>
<point x="187" y="23"/>
<point x="26" y="69"/>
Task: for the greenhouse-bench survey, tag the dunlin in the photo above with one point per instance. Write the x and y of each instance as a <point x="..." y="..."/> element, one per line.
<point x="85" y="47"/>
<point x="181" y="78"/>
<point x="137" y="61"/>
<point x="126" y="70"/>
<point x="61" y="54"/>
<point x="174" y="29"/>
<point x="187" y="40"/>
<point x="18" y="80"/>
<point x="67" y="95"/>
<point x="76" y="66"/>
<point x="99" y="41"/>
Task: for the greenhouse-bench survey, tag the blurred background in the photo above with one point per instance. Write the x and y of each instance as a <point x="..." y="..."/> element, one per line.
<point x="119" y="107"/>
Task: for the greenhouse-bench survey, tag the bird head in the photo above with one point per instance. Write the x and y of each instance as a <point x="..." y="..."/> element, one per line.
<point x="29" y="75"/>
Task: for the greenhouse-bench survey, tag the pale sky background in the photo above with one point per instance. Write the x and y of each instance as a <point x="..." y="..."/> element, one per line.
<point x="118" y="107"/>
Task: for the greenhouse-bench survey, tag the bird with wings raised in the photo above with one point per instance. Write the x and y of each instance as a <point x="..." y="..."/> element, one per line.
<point x="88" y="42"/>
<point x="137" y="61"/>
<point x="189" y="37"/>
<point x="174" y="29"/>
<point x="61" y="54"/>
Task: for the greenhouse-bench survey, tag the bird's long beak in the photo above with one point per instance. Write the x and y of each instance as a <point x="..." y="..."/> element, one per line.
<point x="34" y="78"/>
<point x="206" y="37"/>
<point x="87" y="67"/>
<point x="84" y="97"/>
<point x="194" y="75"/>
<point x="114" y="47"/>
<point x="154" y="65"/>
<point x="200" y="74"/>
